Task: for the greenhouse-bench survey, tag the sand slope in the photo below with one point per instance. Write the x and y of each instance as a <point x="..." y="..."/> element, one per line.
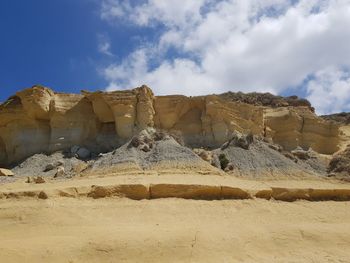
<point x="173" y="230"/>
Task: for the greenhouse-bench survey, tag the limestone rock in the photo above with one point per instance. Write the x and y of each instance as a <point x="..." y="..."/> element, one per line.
<point x="38" y="180"/>
<point x="36" y="101"/>
<point x="293" y="127"/>
<point x="60" y="172"/>
<point x="39" y="120"/>
<point x="340" y="163"/>
<point x="42" y="195"/>
<point x="6" y="172"/>
<point x="49" y="167"/>
<point x="144" y="110"/>
<point x="300" y="153"/>
<point x="239" y="140"/>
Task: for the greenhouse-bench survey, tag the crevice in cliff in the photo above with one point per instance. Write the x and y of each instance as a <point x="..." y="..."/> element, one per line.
<point x="3" y="153"/>
<point x="264" y="124"/>
<point x="302" y="124"/>
<point x="11" y="102"/>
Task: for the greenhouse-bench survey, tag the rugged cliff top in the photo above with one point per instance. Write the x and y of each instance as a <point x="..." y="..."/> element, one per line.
<point x="267" y="99"/>
<point x="341" y="118"/>
<point x="38" y="120"/>
<point x="253" y="98"/>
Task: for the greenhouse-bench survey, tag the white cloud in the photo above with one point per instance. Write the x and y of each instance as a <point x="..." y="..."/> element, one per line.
<point x="329" y="90"/>
<point x="249" y="45"/>
<point x="104" y="45"/>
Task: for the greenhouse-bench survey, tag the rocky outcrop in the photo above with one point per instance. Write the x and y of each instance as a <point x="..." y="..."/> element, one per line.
<point x="293" y="127"/>
<point x="6" y="172"/>
<point x="341" y="118"/>
<point x="340" y="163"/>
<point x="39" y="120"/>
<point x="267" y="99"/>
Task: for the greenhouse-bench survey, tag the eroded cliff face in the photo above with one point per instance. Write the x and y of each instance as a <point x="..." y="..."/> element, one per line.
<point x="40" y="120"/>
<point x="291" y="127"/>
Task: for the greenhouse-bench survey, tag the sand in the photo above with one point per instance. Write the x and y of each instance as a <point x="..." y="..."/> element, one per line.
<point x="156" y="229"/>
<point x="173" y="230"/>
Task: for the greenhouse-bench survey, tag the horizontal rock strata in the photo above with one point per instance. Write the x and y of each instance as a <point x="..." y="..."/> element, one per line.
<point x="185" y="191"/>
<point x="39" y="120"/>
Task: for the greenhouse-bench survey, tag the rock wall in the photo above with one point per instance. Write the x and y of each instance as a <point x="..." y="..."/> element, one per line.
<point x="40" y="120"/>
<point x="297" y="126"/>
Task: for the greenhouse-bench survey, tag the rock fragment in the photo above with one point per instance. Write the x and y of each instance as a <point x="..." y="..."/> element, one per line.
<point x="6" y="172"/>
<point x="301" y="153"/>
<point x="38" y="180"/>
<point x="60" y="172"/>
<point x="42" y="195"/>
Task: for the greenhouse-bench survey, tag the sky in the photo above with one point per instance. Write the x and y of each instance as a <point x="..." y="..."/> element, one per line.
<point x="190" y="47"/>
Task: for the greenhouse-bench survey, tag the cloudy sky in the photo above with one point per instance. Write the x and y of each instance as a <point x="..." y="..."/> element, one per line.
<point x="190" y="47"/>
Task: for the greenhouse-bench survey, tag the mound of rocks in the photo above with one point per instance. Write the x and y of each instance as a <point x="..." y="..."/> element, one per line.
<point x="267" y="99"/>
<point x="151" y="149"/>
<point x="246" y="155"/>
<point x="340" y="163"/>
<point x="341" y="118"/>
<point x="56" y="165"/>
<point x="239" y="140"/>
<point x="208" y="156"/>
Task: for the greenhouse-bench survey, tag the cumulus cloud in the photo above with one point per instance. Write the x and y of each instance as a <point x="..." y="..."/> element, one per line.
<point x="250" y="45"/>
<point x="104" y="45"/>
<point x="329" y="90"/>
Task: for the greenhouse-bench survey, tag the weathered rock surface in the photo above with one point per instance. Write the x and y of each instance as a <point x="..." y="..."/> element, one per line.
<point x="39" y="120"/>
<point x="267" y="99"/>
<point x="257" y="159"/>
<point x="298" y="126"/>
<point x="340" y="163"/>
<point x="163" y="153"/>
<point x="6" y="172"/>
<point x="341" y="118"/>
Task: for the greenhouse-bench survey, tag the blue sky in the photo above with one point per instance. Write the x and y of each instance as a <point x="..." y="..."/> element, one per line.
<point x="55" y="43"/>
<point x="199" y="47"/>
<point x="51" y="43"/>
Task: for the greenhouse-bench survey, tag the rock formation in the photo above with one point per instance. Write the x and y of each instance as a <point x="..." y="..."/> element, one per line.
<point x="39" y="120"/>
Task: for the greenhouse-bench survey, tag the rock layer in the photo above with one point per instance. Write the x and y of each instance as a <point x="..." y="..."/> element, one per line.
<point x="39" y="120"/>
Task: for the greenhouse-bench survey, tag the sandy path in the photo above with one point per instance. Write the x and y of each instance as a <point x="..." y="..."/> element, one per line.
<point x="173" y="230"/>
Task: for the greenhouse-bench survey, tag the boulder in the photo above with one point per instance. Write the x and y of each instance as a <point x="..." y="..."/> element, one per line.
<point x="239" y="140"/>
<point x="6" y="172"/>
<point x="42" y="195"/>
<point x="49" y="167"/>
<point x="230" y="167"/>
<point x="301" y="154"/>
<point x="83" y="153"/>
<point x="74" y="149"/>
<point x="39" y="180"/>
<point x="60" y="172"/>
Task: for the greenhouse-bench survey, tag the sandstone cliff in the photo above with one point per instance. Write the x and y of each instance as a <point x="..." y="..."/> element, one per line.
<point x="39" y="120"/>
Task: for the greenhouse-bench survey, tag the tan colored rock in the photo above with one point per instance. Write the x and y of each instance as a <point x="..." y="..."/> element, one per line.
<point x="6" y="172"/>
<point x="293" y="127"/>
<point x="60" y="172"/>
<point x="207" y="120"/>
<point x="38" y="180"/>
<point x="39" y="120"/>
<point x="100" y="107"/>
<point x="36" y="101"/>
<point x="144" y="109"/>
<point x="21" y="135"/>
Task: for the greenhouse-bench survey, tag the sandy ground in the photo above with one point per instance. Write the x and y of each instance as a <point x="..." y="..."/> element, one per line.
<point x="173" y="230"/>
<point x="114" y="229"/>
